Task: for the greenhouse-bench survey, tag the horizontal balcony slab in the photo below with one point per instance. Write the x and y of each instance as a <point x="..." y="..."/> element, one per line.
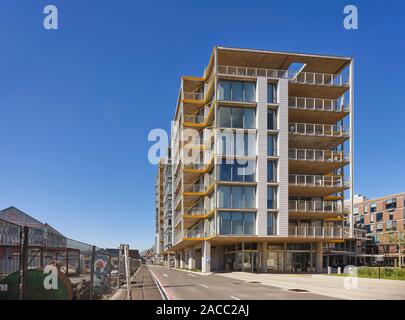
<point x="315" y="116"/>
<point x="313" y="191"/>
<point x="314" y="215"/>
<point x="319" y="91"/>
<point x="314" y="141"/>
<point x="314" y="167"/>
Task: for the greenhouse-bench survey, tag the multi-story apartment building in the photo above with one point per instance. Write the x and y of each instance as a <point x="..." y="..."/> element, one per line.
<point x="167" y="207"/>
<point x="383" y="218"/>
<point x="261" y="161"/>
<point x="159" y="214"/>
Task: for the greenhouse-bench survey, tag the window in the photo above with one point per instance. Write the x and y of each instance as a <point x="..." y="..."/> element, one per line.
<point x="355" y="210"/>
<point x="271" y="171"/>
<point x="379" y="216"/>
<point x="373" y="207"/>
<point x="271" y="119"/>
<point x="231" y="117"/>
<point x="235" y="171"/>
<point x="271" y="196"/>
<point x="391" y="203"/>
<point x="271" y="93"/>
<point x="271" y="145"/>
<point x="236" y="91"/>
<point x="271" y="223"/>
<point x="236" y="222"/>
<point x="239" y="144"/>
<point x="237" y="197"/>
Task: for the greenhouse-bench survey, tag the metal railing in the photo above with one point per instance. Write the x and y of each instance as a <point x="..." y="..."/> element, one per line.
<point x="317" y="104"/>
<point x="315" y="206"/>
<point x="317" y="129"/>
<point x="193" y="95"/>
<point x="293" y="76"/>
<point x="317" y="181"/>
<point x="317" y="155"/>
<point x="317" y="232"/>
<point x="199" y="187"/>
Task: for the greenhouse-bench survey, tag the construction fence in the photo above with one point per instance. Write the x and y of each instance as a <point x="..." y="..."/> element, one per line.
<point x="43" y="264"/>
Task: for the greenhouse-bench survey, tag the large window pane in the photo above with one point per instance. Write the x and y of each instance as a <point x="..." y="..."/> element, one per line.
<point x="271" y="93"/>
<point x="249" y="223"/>
<point x="249" y="92"/>
<point x="237" y="91"/>
<point x="224" y="90"/>
<point x="237" y="118"/>
<point x="250" y="198"/>
<point x="271" y="198"/>
<point x="250" y="144"/>
<point x="249" y="171"/>
<point x="271" y="119"/>
<point x="271" y="145"/>
<point x="225" y="171"/>
<point x="271" y="223"/>
<point x="237" y="197"/>
<point x="271" y="171"/>
<point x="224" y="195"/>
<point x="237" y="223"/>
<point x="225" y="117"/>
<point x="225" y="223"/>
<point x="250" y="119"/>
<point x="240" y="144"/>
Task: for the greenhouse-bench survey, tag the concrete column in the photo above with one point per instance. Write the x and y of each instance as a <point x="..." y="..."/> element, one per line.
<point x="182" y="259"/>
<point x="191" y="258"/>
<point x="206" y="257"/>
<point x="176" y="260"/>
<point x="261" y="169"/>
<point x="263" y="256"/>
<point x="282" y="173"/>
<point x="220" y="258"/>
<point x="318" y="257"/>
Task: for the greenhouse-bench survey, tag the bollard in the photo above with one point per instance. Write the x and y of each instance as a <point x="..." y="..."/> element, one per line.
<point x="339" y="270"/>
<point x="329" y="270"/>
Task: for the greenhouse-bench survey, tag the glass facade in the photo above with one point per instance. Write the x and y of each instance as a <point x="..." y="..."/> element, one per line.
<point x="271" y="145"/>
<point x="271" y="171"/>
<point x="271" y="224"/>
<point x="237" y="197"/>
<point x="232" y="170"/>
<point x="231" y="117"/>
<point x="271" y="197"/>
<point x="271" y="93"/>
<point x="236" y="223"/>
<point x="271" y="120"/>
<point x="237" y="91"/>
<point x="237" y="143"/>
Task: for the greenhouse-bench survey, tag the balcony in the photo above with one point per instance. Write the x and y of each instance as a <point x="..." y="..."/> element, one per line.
<point x="198" y="120"/>
<point x="317" y="232"/>
<point x="314" y="209"/>
<point x="312" y="78"/>
<point x="325" y="111"/>
<point x="313" y="161"/>
<point x="316" y="185"/>
<point x="323" y="136"/>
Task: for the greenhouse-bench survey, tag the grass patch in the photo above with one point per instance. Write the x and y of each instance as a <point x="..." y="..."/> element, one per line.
<point x="372" y="273"/>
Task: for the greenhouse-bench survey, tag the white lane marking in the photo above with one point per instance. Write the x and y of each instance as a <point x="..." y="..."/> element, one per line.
<point x="203" y="285"/>
<point x="165" y="275"/>
<point x="235" y="298"/>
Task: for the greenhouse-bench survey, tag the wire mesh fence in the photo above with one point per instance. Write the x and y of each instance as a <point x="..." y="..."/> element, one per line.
<point x="40" y="263"/>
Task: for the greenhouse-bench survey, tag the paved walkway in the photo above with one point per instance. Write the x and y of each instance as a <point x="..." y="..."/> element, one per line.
<point x="331" y="286"/>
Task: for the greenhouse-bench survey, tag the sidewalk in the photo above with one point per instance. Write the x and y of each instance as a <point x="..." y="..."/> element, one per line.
<point x="332" y="286"/>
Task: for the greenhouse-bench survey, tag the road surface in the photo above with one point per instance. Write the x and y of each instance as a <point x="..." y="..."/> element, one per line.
<point x="183" y="285"/>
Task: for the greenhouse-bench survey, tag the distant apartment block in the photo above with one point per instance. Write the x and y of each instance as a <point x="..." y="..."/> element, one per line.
<point x="261" y="163"/>
<point x="383" y="219"/>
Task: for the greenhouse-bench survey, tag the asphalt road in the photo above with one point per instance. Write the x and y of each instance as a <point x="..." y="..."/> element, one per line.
<point x="183" y="285"/>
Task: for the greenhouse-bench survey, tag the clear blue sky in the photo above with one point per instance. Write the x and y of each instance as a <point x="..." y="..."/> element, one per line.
<point x="76" y="104"/>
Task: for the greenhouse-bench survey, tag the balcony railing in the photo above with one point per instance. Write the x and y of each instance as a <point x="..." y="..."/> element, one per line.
<point x="199" y="187"/>
<point x="315" y="206"/>
<point x="195" y="211"/>
<point x="317" y="181"/>
<point x="193" y="96"/>
<point x="318" y="129"/>
<point x="293" y="76"/>
<point x="317" y="104"/>
<point x="201" y="164"/>
<point x="317" y="155"/>
<point x="317" y="232"/>
<point x="177" y="199"/>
